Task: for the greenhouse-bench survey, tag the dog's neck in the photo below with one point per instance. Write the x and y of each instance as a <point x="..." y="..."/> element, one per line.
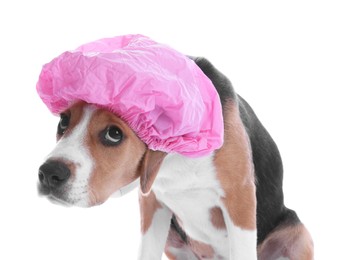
<point x="179" y="173"/>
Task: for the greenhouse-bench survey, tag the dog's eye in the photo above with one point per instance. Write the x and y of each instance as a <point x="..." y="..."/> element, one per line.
<point x="111" y="136"/>
<point x="63" y="124"/>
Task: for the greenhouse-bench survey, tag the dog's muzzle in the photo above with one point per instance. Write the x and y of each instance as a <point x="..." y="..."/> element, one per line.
<point x="52" y="175"/>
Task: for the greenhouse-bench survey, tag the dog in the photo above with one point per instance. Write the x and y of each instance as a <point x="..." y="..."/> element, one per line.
<point x="226" y="205"/>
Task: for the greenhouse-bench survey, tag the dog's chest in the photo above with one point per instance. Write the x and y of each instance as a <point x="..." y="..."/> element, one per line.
<point x="190" y="189"/>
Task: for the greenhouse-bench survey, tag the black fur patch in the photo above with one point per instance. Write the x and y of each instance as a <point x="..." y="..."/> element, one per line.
<point x="266" y="158"/>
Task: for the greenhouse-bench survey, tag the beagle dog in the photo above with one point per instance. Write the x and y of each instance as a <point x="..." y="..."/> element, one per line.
<point x="227" y="205"/>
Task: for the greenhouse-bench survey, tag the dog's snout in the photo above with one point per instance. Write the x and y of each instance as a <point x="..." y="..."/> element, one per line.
<point x="53" y="173"/>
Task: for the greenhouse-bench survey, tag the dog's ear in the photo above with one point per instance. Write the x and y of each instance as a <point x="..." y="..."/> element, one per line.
<point x="149" y="168"/>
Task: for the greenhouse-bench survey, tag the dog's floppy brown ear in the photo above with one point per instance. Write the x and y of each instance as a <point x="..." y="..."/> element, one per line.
<point x="149" y="168"/>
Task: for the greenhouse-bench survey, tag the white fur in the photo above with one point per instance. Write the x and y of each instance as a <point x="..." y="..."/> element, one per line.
<point x="154" y="240"/>
<point x="189" y="187"/>
<point x="72" y="149"/>
<point x="242" y="243"/>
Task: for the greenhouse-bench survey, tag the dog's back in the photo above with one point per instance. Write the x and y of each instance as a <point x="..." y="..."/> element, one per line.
<point x="279" y="230"/>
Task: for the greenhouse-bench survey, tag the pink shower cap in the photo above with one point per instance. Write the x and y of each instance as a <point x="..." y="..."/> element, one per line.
<point x="160" y="93"/>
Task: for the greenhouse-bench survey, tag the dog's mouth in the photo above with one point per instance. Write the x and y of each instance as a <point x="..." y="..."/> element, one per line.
<point x="62" y="196"/>
<point x="58" y="201"/>
<point x="55" y="196"/>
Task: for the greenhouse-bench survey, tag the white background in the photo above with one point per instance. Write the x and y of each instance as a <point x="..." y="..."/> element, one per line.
<point x="294" y="61"/>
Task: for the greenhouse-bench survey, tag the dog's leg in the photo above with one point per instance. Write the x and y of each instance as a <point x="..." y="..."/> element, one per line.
<point x="155" y="224"/>
<point x="242" y="242"/>
<point x="235" y="171"/>
<point x="177" y="248"/>
<point x="289" y="240"/>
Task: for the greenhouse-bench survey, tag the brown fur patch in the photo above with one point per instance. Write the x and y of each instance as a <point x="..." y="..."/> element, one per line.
<point x="148" y="207"/>
<point x="169" y="255"/>
<point x="235" y="170"/>
<point x="202" y="250"/>
<point x="217" y="218"/>
<point x="193" y="247"/>
<point x="116" y="166"/>
<point x="174" y="241"/>
<point x="293" y="242"/>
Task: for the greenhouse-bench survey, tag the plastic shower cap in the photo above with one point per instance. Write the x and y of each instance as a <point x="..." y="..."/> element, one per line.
<point x="160" y="93"/>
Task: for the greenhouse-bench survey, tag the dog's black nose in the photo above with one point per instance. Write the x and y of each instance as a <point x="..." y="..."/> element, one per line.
<point x="53" y="173"/>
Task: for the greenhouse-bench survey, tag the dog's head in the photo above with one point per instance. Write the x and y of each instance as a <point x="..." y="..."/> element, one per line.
<point x="96" y="155"/>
